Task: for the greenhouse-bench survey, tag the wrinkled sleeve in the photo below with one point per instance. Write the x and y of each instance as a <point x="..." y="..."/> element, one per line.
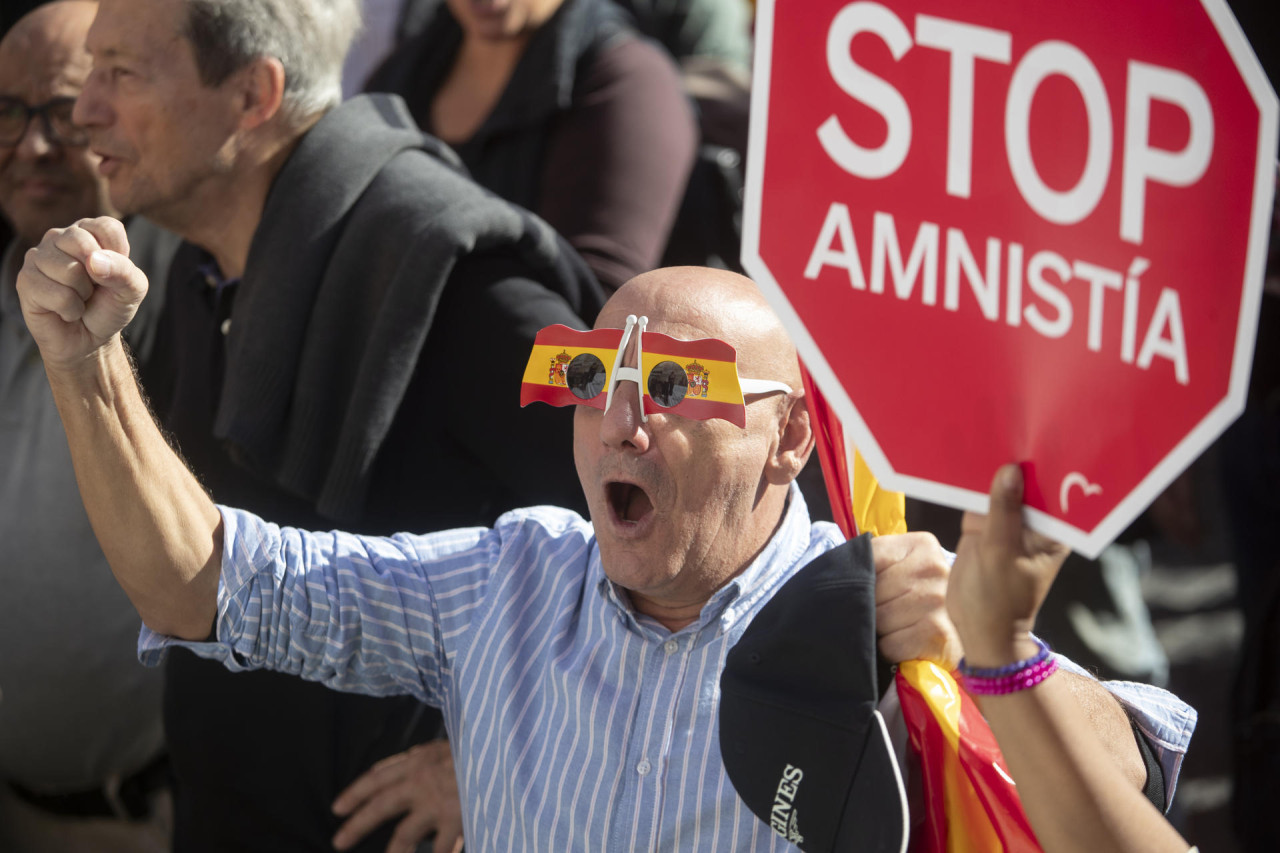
<point x="362" y="614"/>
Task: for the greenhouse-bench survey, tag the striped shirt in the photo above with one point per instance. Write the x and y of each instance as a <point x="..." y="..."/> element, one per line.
<point x="576" y="722"/>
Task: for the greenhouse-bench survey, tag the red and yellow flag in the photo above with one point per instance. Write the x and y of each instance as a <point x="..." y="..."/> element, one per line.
<point x="971" y="804"/>
<point x="858" y="503"/>
<point x="970" y="800"/>
<point x="709" y="366"/>
<point x="553" y="349"/>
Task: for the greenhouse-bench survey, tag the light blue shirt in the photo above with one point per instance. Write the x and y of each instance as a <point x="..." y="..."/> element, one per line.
<point x="576" y="723"/>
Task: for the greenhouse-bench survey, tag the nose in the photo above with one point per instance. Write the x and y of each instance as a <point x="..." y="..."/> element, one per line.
<point x="91" y="108"/>
<point x="35" y="142"/>
<point x="622" y="426"/>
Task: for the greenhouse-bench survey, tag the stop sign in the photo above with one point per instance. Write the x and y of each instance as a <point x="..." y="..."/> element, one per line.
<point x="1007" y="231"/>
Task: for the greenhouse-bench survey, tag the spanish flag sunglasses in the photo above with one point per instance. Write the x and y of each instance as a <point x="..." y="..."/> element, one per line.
<point x="693" y="379"/>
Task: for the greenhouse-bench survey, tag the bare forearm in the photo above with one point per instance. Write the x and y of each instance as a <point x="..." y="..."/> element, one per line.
<point x="1109" y="723"/>
<point x="159" y="530"/>
<point x="1066" y="770"/>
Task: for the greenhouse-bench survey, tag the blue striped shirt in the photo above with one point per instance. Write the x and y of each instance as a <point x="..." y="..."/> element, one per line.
<point x="576" y="722"/>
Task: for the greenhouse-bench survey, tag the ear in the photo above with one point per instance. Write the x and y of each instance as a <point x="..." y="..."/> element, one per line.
<point x="795" y="442"/>
<point x="260" y="92"/>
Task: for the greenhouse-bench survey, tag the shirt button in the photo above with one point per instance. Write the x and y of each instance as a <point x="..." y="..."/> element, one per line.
<point x="226" y="326"/>
<point x="671" y="647"/>
<point x="643" y="767"/>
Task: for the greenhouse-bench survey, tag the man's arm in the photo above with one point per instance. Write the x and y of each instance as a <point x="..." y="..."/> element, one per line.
<point x="159" y="530"/>
<point x="912" y="572"/>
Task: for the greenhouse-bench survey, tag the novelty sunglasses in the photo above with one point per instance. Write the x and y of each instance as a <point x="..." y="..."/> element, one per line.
<point x="694" y="379"/>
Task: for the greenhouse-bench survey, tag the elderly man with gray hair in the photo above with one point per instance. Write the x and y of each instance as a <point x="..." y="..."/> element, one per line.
<point x="336" y="327"/>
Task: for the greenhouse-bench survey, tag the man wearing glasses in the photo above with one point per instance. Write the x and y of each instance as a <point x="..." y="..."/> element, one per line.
<point x="81" y="764"/>
<point x="576" y="662"/>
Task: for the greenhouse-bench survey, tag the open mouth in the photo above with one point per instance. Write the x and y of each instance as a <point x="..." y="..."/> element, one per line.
<point x="629" y="503"/>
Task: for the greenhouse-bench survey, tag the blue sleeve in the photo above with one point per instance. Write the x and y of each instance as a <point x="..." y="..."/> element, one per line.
<point x="357" y="613"/>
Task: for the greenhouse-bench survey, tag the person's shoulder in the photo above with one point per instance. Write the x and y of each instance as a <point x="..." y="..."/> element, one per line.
<point x="547" y="522"/>
<point x="615" y="54"/>
<point x="424" y="179"/>
<point x="625" y="58"/>
<point x="420" y="199"/>
<point x="545" y="534"/>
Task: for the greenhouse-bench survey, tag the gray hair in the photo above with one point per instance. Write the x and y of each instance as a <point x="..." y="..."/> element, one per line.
<point x="310" y="38"/>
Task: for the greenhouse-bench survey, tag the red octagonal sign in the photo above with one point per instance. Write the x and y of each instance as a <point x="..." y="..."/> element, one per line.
<point x="1002" y="230"/>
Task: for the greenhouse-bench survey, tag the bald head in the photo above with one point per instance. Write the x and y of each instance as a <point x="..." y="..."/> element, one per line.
<point x="53" y="30"/>
<point x="45" y="180"/>
<point x="681" y="505"/>
<point x="698" y="302"/>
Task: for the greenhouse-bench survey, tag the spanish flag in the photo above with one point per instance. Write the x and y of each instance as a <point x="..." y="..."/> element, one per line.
<point x="709" y="366"/>
<point x="553" y="349"/>
<point x="858" y="503"/>
<point x="971" y="804"/>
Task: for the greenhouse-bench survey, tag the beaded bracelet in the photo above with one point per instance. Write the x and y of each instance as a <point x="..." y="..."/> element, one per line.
<point x="1011" y="678"/>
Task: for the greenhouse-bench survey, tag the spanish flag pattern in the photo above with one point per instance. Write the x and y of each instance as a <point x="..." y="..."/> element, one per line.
<point x="545" y="379"/>
<point x="971" y="804"/>
<point x="709" y="366"/>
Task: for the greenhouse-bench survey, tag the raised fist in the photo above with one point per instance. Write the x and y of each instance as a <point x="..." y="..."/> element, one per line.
<point x="78" y="289"/>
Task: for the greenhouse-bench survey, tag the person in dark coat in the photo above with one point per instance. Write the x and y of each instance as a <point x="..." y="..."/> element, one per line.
<point x="562" y="107"/>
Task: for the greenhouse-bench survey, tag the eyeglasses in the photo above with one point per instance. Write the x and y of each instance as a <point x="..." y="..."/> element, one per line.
<point x="15" y="117"/>
<point x="694" y="379"/>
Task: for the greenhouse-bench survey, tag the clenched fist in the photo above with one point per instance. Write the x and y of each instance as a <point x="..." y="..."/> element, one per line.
<point x="78" y="289"/>
<point x="911" y="600"/>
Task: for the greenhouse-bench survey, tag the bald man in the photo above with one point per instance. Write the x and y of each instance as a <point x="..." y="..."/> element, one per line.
<point x="576" y="662"/>
<point x="80" y="731"/>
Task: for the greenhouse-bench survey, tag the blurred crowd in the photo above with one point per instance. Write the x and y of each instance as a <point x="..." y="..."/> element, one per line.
<point x="317" y="263"/>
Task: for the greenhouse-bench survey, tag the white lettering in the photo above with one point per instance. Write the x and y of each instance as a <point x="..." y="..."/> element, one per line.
<point x="1174" y="347"/>
<point x="863" y="86"/>
<point x="1099" y="278"/>
<point x="1143" y="163"/>
<point x="788" y="785"/>
<point x="1035" y="293"/>
<point x="985" y="287"/>
<point x="1013" y="296"/>
<point x="924" y="258"/>
<point x="1042" y="288"/>
<point x="837" y="224"/>
<point x="966" y="43"/>
<point x="1043" y="60"/>
<point x="1129" y="333"/>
